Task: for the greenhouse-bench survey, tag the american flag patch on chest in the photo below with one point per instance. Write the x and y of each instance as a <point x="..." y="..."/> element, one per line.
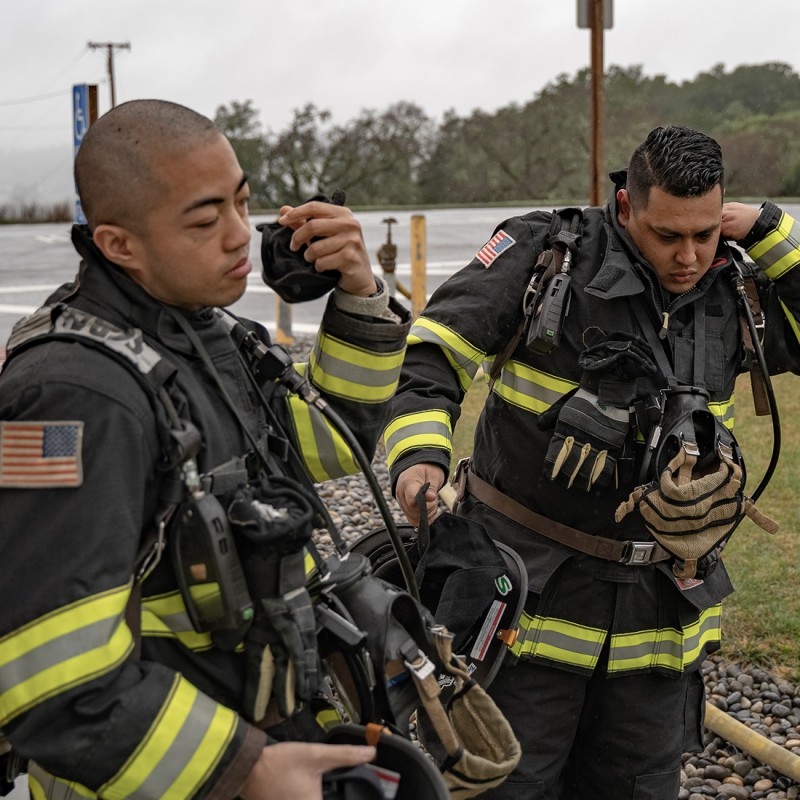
<point x="498" y="244"/>
<point x="39" y="455"/>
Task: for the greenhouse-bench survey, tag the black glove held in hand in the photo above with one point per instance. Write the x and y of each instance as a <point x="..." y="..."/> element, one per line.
<point x="586" y="443"/>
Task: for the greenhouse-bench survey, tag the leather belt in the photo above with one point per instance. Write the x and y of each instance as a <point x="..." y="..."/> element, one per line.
<point x="623" y="552"/>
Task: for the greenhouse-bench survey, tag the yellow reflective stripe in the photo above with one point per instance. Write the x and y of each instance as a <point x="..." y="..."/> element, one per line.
<point x="344" y="370"/>
<point x="464" y="358"/>
<point x="165" y="616"/>
<point x="328" y="717"/>
<point x="559" y="640"/>
<point x="530" y="388"/>
<point x="665" y="647"/>
<point x="418" y="430"/>
<point x="63" y="649"/>
<point x="779" y="251"/>
<point x="792" y="321"/>
<point x="44" y="786"/>
<point x="154" y="625"/>
<point x="182" y="748"/>
<point x="701" y="633"/>
<point x="325" y="453"/>
<point x="724" y="411"/>
<point x="36" y="789"/>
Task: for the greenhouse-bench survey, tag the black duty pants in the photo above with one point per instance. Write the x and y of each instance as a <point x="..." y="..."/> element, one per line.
<point x="598" y="737"/>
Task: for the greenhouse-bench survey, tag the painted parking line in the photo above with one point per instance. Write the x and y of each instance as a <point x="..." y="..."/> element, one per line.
<point x="25" y="289"/>
<point x="6" y="309"/>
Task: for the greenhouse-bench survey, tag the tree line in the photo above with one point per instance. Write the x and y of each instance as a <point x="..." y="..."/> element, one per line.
<point x="533" y="152"/>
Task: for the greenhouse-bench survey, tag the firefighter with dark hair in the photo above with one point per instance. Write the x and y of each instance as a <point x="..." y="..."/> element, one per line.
<point x="142" y="442"/>
<point x="611" y="341"/>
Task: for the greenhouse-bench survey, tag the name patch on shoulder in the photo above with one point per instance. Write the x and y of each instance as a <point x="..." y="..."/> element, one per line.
<point x="498" y="244"/>
<point x="41" y="455"/>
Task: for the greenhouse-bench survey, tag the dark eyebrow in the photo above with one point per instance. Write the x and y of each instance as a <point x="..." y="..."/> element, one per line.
<point x="669" y="232"/>
<point x="214" y="201"/>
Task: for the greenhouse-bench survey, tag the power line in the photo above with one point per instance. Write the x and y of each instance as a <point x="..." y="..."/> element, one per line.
<point x="81" y="54"/>
<point x="33" y="98"/>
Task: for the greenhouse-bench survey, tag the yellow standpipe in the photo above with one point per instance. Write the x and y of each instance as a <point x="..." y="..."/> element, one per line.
<point x="418" y="264"/>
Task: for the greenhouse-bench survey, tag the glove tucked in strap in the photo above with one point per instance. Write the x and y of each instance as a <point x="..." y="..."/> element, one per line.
<point x="588" y="440"/>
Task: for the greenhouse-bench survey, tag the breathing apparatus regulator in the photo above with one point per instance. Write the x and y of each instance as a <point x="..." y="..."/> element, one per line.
<point x="695" y="499"/>
<point x="381" y="648"/>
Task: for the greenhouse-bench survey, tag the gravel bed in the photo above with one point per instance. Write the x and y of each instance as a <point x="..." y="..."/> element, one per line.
<point x="763" y="702"/>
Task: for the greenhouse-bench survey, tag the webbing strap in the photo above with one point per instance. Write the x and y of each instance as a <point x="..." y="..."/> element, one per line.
<point x="548" y="263"/>
<point x="624" y="552"/>
<point x="757" y="383"/>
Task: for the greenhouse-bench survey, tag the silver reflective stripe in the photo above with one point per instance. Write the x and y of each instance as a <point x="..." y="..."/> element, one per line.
<point x="352" y="373"/>
<point x="177" y="623"/>
<point x="325" y="444"/>
<point x="528" y="388"/>
<point x="186" y="742"/>
<point x="707" y="629"/>
<point x="56" y="789"/>
<point x="770" y="256"/>
<point x="183" y="747"/>
<point x="656" y="650"/>
<point x="466" y="358"/>
<point x="428" y="430"/>
<point x="573" y="649"/>
<point x="57" y="651"/>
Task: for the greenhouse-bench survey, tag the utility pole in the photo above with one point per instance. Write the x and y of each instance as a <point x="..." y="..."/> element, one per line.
<point x="598" y="101"/>
<point x="597" y="16"/>
<point x="109" y="48"/>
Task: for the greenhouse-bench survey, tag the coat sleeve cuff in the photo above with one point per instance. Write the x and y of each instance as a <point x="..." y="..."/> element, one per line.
<point x="376" y="305"/>
<point x="768" y="219"/>
<point x="233" y="778"/>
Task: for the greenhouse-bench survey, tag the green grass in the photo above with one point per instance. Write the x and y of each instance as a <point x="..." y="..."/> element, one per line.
<point x="761" y="620"/>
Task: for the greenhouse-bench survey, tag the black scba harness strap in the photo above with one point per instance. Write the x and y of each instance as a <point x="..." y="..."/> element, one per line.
<point x="546" y="300"/>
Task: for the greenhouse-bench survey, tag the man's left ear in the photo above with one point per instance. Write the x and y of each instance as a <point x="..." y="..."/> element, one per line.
<point x="623" y="206"/>
<point x="118" y="245"/>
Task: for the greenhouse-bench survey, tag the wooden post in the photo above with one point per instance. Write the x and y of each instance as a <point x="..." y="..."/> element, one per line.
<point x="418" y="264"/>
<point x="596" y="14"/>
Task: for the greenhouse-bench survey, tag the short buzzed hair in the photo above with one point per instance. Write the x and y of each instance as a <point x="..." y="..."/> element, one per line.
<point x="680" y="161"/>
<point x="115" y="167"/>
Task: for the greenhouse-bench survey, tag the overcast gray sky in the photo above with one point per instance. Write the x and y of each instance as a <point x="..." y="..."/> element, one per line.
<point x="342" y="55"/>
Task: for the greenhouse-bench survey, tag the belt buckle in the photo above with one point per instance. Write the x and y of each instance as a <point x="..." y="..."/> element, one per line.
<point x="638" y="553"/>
<point x="458" y="471"/>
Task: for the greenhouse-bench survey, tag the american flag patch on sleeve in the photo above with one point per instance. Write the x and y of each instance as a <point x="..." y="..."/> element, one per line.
<point x="498" y="244"/>
<point x="38" y="455"/>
